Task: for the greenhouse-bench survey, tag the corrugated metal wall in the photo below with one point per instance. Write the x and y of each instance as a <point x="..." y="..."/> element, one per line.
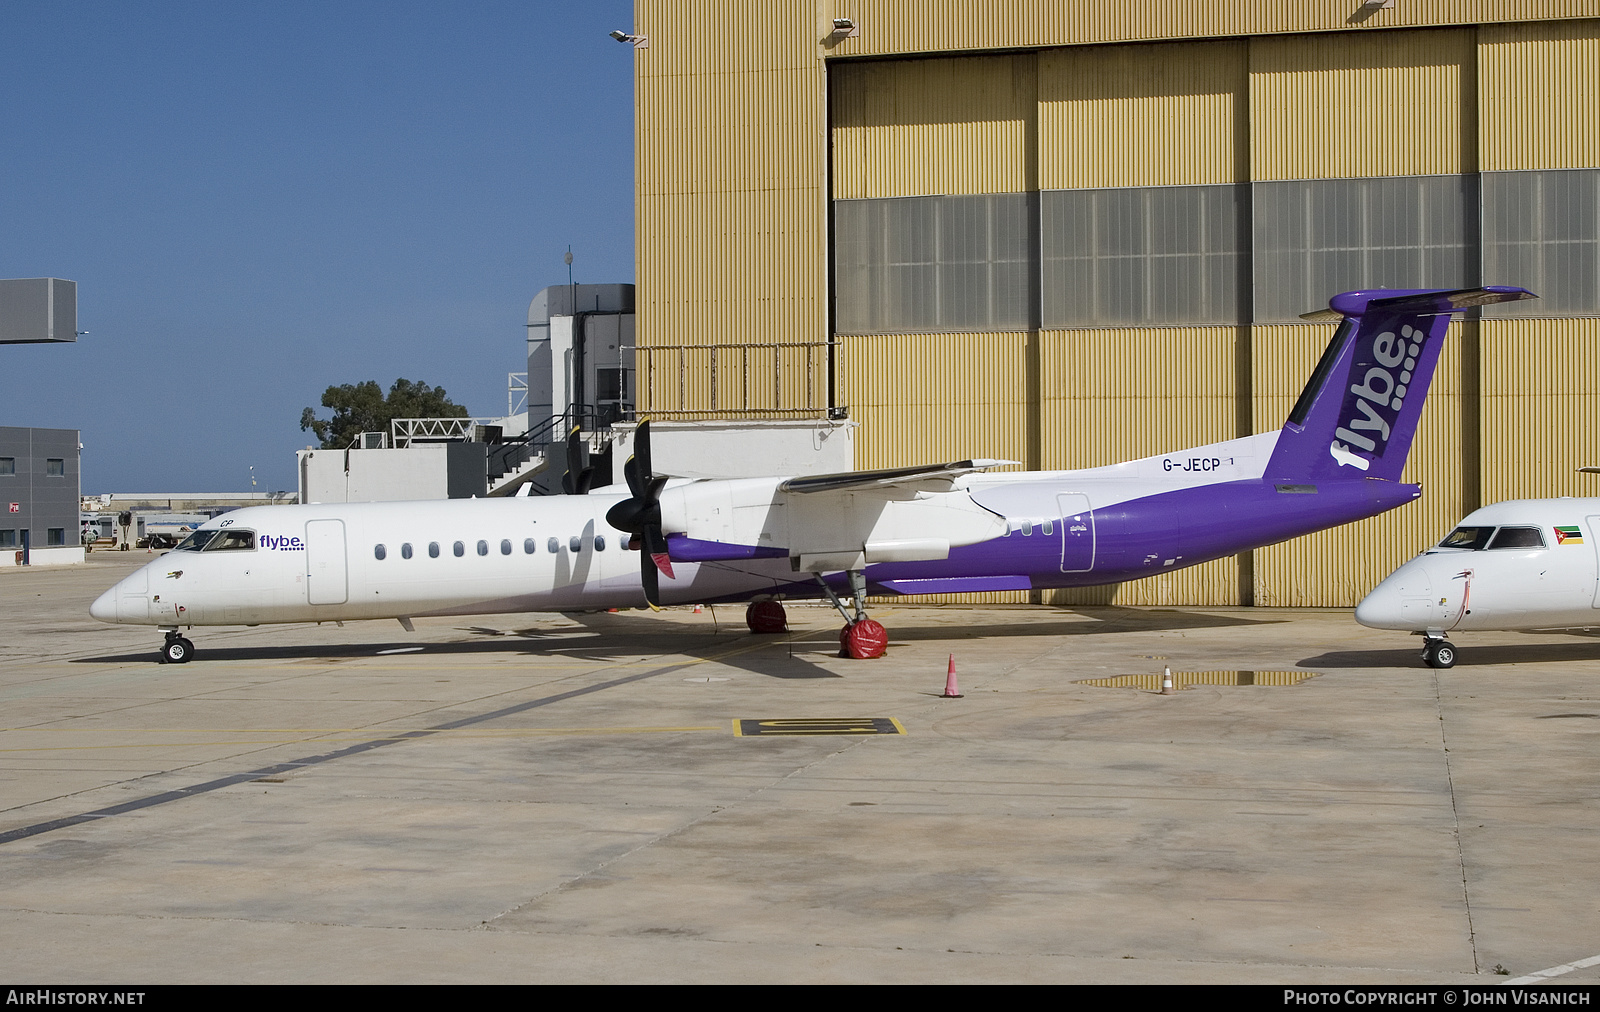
<point x="1166" y="115"/>
<point x="897" y="27"/>
<point x="733" y="210"/>
<point x="730" y="179"/>
<point x="1379" y="104"/>
<point x="1539" y="95"/>
<point x="960" y="126"/>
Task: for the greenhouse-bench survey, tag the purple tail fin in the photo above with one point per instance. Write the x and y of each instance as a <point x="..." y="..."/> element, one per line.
<point x="1359" y="412"/>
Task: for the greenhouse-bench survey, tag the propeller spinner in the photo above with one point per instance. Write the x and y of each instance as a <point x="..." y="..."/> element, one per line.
<point x="640" y="515"/>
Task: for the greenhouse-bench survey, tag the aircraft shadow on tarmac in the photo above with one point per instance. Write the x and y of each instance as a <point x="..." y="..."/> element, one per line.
<point x="1467" y="656"/>
<point x="608" y="636"/>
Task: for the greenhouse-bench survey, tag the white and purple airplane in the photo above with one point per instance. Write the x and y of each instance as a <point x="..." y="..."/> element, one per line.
<point x="939" y="529"/>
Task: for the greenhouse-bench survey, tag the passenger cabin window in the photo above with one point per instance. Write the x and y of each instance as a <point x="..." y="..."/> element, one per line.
<point x="505" y="546"/>
<point x="433" y="549"/>
<point x="599" y="542"/>
<point x="529" y="546"/>
<point x="459" y="548"/>
<point x="405" y="550"/>
<point x="575" y="543"/>
<point x="1518" y="537"/>
<point x="379" y="552"/>
<point x="1472" y="539"/>
<point x="554" y="545"/>
<point x="483" y="548"/>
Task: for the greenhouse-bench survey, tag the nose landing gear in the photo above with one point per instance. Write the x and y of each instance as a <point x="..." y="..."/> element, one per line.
<point x="1439" y="653"/>
<point x="177" y="649"/>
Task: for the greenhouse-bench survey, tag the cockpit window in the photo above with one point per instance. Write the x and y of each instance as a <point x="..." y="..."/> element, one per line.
<point x="1472" y="539"/>
<point x="1518" y="537"/>
<point x="233" y="540"/>
<point x="196" y="542"/>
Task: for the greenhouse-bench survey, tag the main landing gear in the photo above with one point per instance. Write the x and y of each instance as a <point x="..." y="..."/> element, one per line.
<point x="176" y="650"/>
<point x="861" y="637"/>
<point x="1439" y="653"/>
<point x="766" y="616"/>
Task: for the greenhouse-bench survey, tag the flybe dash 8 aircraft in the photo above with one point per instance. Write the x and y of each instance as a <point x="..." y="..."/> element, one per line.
<point x="939" y="529"/>
<point x="1525" y="564"/>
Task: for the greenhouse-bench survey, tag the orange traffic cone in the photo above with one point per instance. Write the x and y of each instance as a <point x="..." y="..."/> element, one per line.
<point x="1166" y="682"/>
<point x="951" y="689"/>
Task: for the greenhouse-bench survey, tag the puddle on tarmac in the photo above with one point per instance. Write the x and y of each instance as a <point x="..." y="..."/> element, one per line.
<point x="1186" y="679"/>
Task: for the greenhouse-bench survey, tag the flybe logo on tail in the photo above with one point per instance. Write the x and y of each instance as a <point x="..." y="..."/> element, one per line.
<point x="1382" y="373"/>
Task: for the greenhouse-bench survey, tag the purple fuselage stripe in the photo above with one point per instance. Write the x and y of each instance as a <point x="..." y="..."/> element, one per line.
<point x="1147" y="536"/>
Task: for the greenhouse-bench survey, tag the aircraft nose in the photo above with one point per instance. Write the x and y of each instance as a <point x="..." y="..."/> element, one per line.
<point x="105" y="606"/>
<point x="1400" y="602"/>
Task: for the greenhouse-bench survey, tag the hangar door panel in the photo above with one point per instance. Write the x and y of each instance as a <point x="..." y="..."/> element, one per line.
<point x="326" y="579"/>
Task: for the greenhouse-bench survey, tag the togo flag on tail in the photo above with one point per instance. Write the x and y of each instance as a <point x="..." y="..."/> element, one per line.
<point x="1359" y="411"/>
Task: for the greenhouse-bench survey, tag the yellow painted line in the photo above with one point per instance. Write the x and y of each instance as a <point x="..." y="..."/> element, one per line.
<point x="355" y="734"/>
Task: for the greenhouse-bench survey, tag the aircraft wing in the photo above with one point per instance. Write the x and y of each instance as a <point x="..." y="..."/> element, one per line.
<point x="923" y="478"/>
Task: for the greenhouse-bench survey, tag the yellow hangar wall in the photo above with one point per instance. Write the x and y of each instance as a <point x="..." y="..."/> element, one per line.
<point x="743" y="147"/>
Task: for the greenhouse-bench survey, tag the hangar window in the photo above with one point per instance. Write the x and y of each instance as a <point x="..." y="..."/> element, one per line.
<point x="459" y="548"/>
<point x="483" y="548"/>
<point x="234" y="540"/>
<point x="405" y="550"/>
<point x="529" y="546"/>
<point x="1518" y="537"/>
<point x="8" y="539"/>
<point x="8" y="465"/>
<point x="505" y="546"/>
<point x="55" y="467"/>
<point x="433" y="549"/>
<point x="55" y="536"/>
<point x="1142" y="256"/>
<point x="379" y="552"/>
<point x="947" y="264"/>
<point x="1541" y="231"/>
<point x="554" y="545"/>
<point x="1313" y="237"/>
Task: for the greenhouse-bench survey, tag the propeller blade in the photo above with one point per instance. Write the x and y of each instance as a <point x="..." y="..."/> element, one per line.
<point x="655" y="546"/>
<point x="641" y="447"/>
<point x="575" y="480"/>
<point x="652" y="582"/>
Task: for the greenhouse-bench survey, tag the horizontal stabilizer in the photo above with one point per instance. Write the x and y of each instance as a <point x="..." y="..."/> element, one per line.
<point x="926" y="475"/>
<point x="1414" y="303"/>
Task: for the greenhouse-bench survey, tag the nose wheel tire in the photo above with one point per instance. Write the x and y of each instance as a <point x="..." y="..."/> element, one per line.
<point x="177" y="650"/>
<point x="1439" y="654"/>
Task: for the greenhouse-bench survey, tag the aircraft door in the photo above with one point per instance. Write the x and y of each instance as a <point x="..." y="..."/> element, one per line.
<point x="1594" y="538"/>
<point x="1077" y="533"/>
<point x="327" y="581"/>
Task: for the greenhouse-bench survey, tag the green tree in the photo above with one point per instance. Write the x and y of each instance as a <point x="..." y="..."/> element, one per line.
<point x="361" y="407"/>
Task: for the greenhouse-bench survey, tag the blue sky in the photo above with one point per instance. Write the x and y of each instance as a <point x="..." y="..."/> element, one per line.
<point x="258" y="200"/>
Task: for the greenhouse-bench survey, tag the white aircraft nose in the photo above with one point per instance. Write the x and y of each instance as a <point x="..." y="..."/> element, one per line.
<point x="105" y="606"/>
<point x="1403" y="601"/>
